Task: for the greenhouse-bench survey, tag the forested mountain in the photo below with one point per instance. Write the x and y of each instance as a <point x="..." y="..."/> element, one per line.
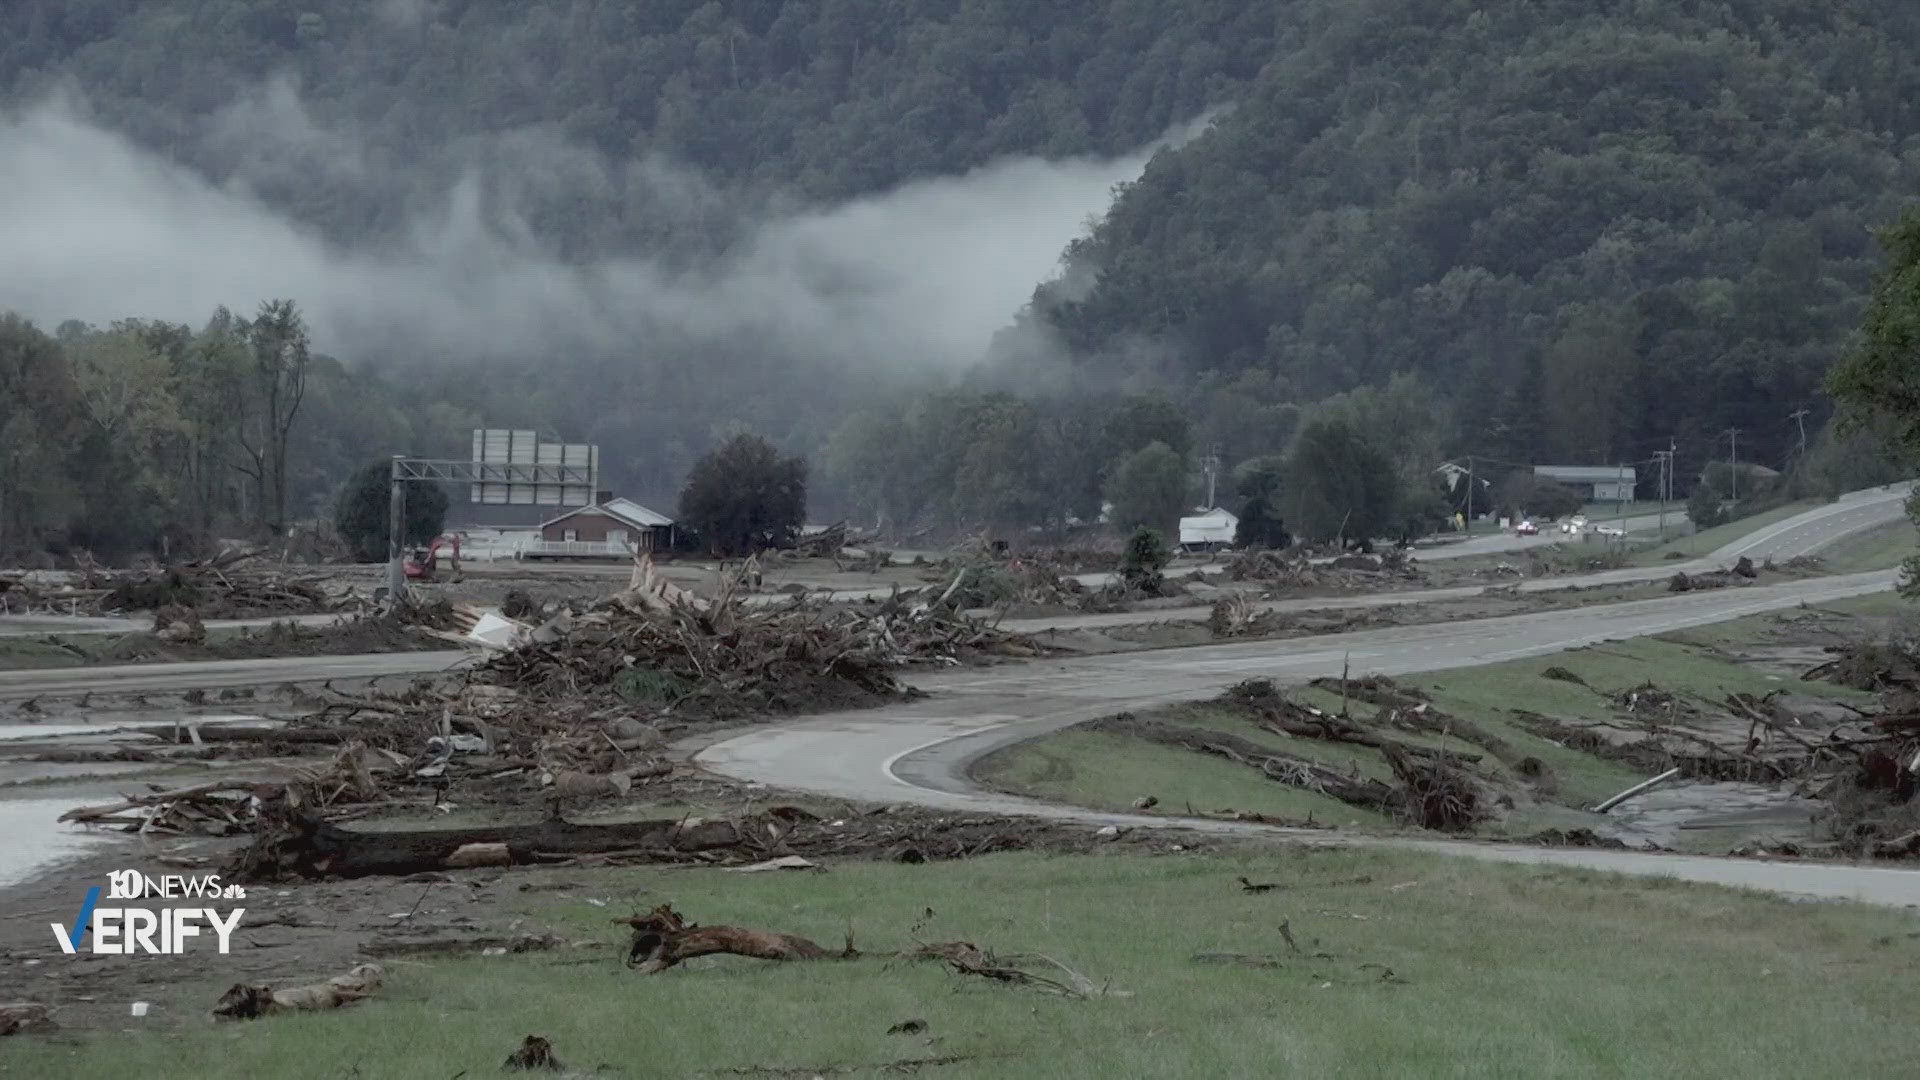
<point x="1526" y="230"/>
<point x="1594" y="226"/>
<point x="814" y="100"/>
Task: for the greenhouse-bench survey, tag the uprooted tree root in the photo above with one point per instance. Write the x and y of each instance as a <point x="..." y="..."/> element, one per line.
<point x="966" y="958"/>
<point x="663" y="938"/>
<point x="535" y="1052"/>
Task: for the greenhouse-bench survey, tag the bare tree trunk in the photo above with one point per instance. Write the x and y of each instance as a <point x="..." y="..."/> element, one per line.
<point x="662" y="938"/>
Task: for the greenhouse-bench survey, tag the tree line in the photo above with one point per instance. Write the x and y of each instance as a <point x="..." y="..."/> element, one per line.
<point x="148" y="437"/>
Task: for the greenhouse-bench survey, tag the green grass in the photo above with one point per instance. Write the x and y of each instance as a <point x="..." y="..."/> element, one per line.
<point x="1108" y="771"/>
<point x="76" y="650"/>
<point x="1603" y="513"/>
<point x="1880" y="548"/>
<point x="25" y="653"/>
<point x="1706" y="541"/>
<point x="1497" y="971"/>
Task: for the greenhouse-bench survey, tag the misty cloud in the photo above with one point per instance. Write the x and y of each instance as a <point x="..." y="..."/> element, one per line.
<point x="96" y="228"/>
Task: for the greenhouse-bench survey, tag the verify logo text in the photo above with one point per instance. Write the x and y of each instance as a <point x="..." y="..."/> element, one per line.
<point x="162" y="931"/>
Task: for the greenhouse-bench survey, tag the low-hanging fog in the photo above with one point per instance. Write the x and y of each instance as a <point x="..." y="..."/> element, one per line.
<point x="94" y="227"/>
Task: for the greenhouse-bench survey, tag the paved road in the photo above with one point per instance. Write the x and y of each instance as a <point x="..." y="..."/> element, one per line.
<point x="40" y="625"/>
<point x="1798" y="535"/>
<point x="1504" y="541"/>
<point x="215" y="674"/>
<point x="919" y="752"/>
<point x="1802" y="534"/>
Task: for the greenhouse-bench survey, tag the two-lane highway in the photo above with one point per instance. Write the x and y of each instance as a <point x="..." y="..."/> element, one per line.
<point x="219" y="674"/>
<point x="1801" y="534"/>
<point x="920" y="752"/>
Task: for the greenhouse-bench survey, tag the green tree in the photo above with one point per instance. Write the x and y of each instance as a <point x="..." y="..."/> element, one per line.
<point x="1523" y="494"/>
<point x="1878" y="380"/>
<point x="1706" y="507"/>
<point x="1337" y="484"/>
<point x="744" y="496"/>
<point x="362" y="513"/>
<point x="38" y="409"/>
<point x="1146" y="555"/>
<point x="1257" y="481"/>
<point x="1148" y="490"/>
<point x="276" y="387"/>
<point x="1589" y="375"/>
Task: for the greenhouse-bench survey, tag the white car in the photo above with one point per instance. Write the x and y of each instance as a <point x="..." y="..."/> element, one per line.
<point x="1611" y="530"/>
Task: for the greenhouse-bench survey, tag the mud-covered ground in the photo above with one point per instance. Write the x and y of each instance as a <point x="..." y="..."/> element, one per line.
<point x="298" y="932"/>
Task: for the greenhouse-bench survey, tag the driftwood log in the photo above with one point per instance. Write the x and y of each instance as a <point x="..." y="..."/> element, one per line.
<point x="663" y="938"/>
<point x="86" y="814"/>
<point x="249" y="1001"/>
<point x="25" y="1016"/>
<point x="303" y="846"/>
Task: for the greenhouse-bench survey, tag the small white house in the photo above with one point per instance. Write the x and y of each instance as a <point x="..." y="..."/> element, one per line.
<point x="1208" y="528"/>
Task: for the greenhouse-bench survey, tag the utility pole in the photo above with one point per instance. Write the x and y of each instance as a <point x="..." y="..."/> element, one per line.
<point x="1800" y="416"/>
<point x="1666" y="486"/>
<point x="396" y="535"/>
<point x="1733" y="453"/>
<point x="1620" y="494"/>
<point x="1211" y="463"/>
<point x="1469" y="517"/>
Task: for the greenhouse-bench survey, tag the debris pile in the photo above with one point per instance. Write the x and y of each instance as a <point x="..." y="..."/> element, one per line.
<point x="1868" y="771"/>
<point x="232" y="584"/>
<point x="218" y="808"/>
<point x="558" y="715"/>
<point x="291" y="842"/>
<point x="1740" y="573"/>
<point x="656" y="645"/>
<point x="1281" y="572"/>
<point x="1438" y="788"/>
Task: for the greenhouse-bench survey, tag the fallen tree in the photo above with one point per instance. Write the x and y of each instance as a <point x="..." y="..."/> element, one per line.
<point x="249" y="1001"/>
<point x="304" y="846"/>
<point x="663" y="938"/>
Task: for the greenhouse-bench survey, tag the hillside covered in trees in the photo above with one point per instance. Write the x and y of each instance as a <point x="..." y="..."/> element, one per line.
<point x="1527" y="230"/>
<point x="1593" y="227"/>
<point x="810" y="100"/>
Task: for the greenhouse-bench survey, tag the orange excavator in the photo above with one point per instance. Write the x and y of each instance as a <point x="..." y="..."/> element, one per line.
<point x="425" y="562"/>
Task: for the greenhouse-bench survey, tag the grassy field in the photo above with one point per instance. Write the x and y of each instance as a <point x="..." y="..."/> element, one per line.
<point x="1408" y="966"/>
<point x="23" y="653"/>
<point x="1603" y="513"/>
<point x="1875" y="549"/>
<point x="1109" y="771"/>
<point x="77" y="650"/>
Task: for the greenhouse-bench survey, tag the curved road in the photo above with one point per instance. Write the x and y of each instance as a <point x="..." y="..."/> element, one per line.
<point x="919" y="752"/>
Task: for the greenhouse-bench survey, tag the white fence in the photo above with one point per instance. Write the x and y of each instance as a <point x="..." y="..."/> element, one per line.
<point x="574" y="549"/>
